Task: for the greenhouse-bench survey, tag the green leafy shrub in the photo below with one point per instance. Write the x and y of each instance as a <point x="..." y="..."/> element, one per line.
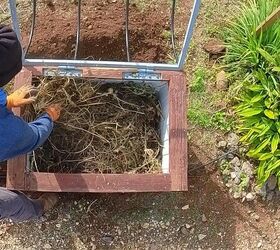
<point x="257" y="60"/>
<point x="243" y="54"/>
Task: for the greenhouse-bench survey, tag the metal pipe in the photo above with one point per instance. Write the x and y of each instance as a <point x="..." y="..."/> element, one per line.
<point x="172" y="28"/>
<point x="188" y="34"/>
<point x="127" y="30"/>
<point x="78" y="30"/>
<point x="13" y="11"/>
<point x="105" y="64"/>
<point x="32" y="27"/>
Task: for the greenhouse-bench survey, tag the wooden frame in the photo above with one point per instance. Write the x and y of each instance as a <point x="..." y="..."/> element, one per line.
<point x="269" y="21"/>
<point x="176" y="180"/>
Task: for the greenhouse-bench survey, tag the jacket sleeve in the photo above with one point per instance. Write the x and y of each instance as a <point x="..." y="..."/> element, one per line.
<point x="4" y="111"/>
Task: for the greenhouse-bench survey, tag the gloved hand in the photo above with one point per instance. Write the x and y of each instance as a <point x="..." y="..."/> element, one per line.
<point x="18" y="98"/>
<point x="54" y="111"/>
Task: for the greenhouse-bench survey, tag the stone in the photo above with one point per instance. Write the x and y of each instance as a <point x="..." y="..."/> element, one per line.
<point x="185" y="207"/>
<point x="261" y="190"/>
<point x="272" y="182"/>
<point x="236" y="195"/>
<point x="184" y="230"/>
<point x="247" y="168"/>
<point x="222" y="144"/>
<point x="259" y="245"/>
<point x="270" y="196"/>
<point x="204" y="219"/>
<point x="201" y="236"/>
<point x="145" y="225"/>
<point x="108" y="239"/>
<point x="235" y="162"/>
<point x="192" y="231"/>
<point x="255" y="217"/>
<point x="188" y="226"/>
<point x="233" y="139"/>
<point x="233" y="175"/>
<point x="47" y="246"/>
<point x="215" y="47"/>
<point x="250" y="197"/>
<point x="222" y="81"/>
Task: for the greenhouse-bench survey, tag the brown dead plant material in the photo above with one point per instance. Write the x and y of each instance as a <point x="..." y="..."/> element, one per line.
<point x="104" y="127"/>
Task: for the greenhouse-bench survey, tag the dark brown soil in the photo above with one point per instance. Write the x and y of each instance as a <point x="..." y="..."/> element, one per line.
<point x="102" y="31"/>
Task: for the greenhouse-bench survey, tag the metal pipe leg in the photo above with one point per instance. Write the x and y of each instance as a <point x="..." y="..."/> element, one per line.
<point x="172" y="28"/>
<point x="34" y="4"/>
<point x="127" y="30"/>
<point x="78" y="30"/>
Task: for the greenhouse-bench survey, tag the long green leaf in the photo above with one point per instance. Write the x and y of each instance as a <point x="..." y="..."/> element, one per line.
<point x="270" y="114"/>
<point x="267" y="56"/>
<point x="274" y="142"/>
<point x="251" y="112"/>
<point x="265" y="156"/>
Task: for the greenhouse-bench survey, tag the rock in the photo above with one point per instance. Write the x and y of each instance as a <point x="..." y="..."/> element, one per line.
<point x="261" y="190"/>
<point x="204" y="219"/>
<point x="235" y="162"/>
<point x="270" y="196"/>
<point x="188" y="226"/>
<point x="259" y="245"/>
<point x="108" y="239"/>
<point x="192" y="231"/>
<point x="222" y="81"/>
<point x="58" y="225"/>
<point x="233" y="140"/>
<point x="184" y="230"/>
<point x="145" y="225"/>
<point x="201" y="236"/>
<point x="215" y="47"/>
<point x="233" y="175"/>
<point x="185" y="207"/>
<point x="250" y="197"/>
<point x="230" y="156"/>
<point x="90" y="27"/>
<point x="236" y="195"/>
<point x="47" y="246"/>
<point x="272" y="182"/>
<point x="222" y="144"/>
<point x="247" y="168"/>
<point x="255" y="217"/>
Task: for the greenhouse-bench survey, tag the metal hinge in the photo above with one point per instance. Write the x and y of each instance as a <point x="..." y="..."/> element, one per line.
<point x="142" y="74"/>
<point x="66" y="71"/>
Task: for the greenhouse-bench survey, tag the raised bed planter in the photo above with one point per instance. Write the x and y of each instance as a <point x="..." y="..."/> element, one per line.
<point x="171" y="87"/>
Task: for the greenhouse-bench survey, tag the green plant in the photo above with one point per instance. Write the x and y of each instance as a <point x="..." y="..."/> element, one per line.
<point x="243" y="45"/>
<point x="198" y="83"/>
<point x="256" y="60"/>
<point x="259" y="110"/>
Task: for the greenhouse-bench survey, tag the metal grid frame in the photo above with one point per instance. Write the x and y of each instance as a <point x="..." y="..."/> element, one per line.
<point x="109" y="64"/>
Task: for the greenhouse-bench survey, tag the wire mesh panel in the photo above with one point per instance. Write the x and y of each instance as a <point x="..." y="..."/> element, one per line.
<point x="178" y="49"/>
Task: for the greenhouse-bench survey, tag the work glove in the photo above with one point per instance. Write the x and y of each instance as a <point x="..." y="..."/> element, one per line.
<point x="19" y="97"/>
<point x="54" y="111"/>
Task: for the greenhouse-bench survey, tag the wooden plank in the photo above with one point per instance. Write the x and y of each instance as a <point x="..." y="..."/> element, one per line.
<point x="178" y="131"/>
<point x="269" y="21"/>
<point x="16" y="166"/>
<point x="98" y="183"/>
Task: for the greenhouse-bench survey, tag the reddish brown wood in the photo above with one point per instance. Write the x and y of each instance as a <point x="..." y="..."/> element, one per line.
<point x="175" y="181"/>
<point x="16" y="166"/>
<point x="177" y="131"/>
<point x="99" y="183"/>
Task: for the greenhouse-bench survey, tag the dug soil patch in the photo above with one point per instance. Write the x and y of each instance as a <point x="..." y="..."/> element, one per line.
<point x="103" y="30"/>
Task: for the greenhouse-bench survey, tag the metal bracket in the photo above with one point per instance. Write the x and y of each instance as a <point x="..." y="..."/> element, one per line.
<point x="142" y="74"/>
<point x="65" y="71"/>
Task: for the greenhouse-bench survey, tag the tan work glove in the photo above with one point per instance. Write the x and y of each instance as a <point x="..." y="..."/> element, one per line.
<point x="19" y="99"/>
<point x="54" y="111"/>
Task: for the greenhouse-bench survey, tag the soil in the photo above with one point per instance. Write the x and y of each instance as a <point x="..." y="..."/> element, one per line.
<point x="102" y="30"/>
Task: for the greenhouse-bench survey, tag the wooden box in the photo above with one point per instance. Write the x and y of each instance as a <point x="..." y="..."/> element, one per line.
<point x="173" y="176"/>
